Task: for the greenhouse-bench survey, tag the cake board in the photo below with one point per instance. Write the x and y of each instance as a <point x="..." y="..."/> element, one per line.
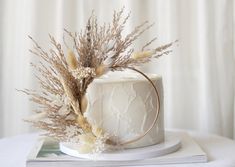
<point x="171" y="144"/>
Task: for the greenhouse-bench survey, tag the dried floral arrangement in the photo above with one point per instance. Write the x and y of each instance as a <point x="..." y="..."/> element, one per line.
<point x="64" y="78"/>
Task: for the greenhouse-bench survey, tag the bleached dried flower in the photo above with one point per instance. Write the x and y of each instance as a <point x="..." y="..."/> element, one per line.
<point x="64" y="110"/>
<point x="58" y="100"/>
<point x="71" y="131"/>
<point x="106" y="65"/>
<point x="108" y="46"/>
<point x="97" y="131"/>
<point x="82" y="121"/>
<point x="83" y="72"/>
<point x="109" y="61"/>
<point x="89" y="143"/>
<point x="100" y="145"/>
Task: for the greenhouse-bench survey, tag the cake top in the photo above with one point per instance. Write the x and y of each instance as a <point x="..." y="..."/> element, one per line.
<point x="124" y="76"/>
<point x="65" y="73"/>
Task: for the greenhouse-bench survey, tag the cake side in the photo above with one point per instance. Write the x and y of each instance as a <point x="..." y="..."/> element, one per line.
<point x="124" y="105"/>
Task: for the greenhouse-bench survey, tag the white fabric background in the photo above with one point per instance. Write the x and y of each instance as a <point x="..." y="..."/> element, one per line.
<point x="198" y="77"/>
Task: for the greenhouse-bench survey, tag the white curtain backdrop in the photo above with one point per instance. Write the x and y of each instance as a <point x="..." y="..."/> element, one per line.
<point x="198" y="76"/>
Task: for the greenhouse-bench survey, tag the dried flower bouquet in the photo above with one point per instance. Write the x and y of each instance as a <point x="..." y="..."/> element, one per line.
<point x="65" y="77"/>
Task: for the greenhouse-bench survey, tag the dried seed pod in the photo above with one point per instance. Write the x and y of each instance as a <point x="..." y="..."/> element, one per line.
<point x="87" y="138"/>
<point x="85" y="148"/>
<point x="83" y="123"/>
<point x="71" y="60"/>
<point x="84" y="103"/>
<point x="144" y="54"/>
<point x="97" y="131"/>
<point x="100" y="70"/>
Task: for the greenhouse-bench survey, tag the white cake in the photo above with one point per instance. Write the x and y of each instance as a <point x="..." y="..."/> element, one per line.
<point x="124" y="105"/>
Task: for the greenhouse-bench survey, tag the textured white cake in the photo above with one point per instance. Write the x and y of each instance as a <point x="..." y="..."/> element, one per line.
<point x="124" y="104"/>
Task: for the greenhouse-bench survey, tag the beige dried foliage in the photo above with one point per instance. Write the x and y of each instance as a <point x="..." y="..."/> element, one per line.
<point x="96" y="48"/>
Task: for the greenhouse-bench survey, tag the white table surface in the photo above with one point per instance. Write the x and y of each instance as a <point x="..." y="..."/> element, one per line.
<point x="220" y="150"/>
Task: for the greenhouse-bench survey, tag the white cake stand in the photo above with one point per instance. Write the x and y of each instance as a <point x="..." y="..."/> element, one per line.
<point x="171" y="144"/>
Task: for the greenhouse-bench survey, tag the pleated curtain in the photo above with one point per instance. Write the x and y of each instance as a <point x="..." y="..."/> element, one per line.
<point x="198" y="76"/>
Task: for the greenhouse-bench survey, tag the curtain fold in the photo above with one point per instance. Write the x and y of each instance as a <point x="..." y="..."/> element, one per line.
<point x="198" y="76"/>
<point x="1" y="55"/>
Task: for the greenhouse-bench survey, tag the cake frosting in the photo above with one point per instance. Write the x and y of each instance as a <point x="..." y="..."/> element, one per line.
<point x="124" y="105"/>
